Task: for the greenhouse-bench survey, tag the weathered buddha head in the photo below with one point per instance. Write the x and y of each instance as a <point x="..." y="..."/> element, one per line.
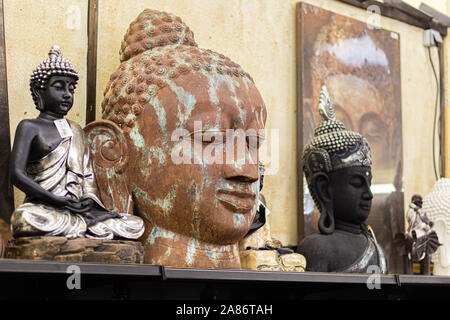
<point x="53" y="83"/>
<point x="337" y="165"/>
<point x="185" y="126"/>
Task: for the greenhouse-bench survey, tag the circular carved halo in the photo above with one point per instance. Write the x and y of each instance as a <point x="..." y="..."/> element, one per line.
<point x="107" y="144"/>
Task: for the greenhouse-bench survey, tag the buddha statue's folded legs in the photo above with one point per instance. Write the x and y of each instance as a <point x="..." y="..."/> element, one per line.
<point x="30" y="219"/>
<point x="60" y="173"/>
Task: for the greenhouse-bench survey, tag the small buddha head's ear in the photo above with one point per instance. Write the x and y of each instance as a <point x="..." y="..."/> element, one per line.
<point x="37" y="98"/>
<point x="109" y="155"/>
<point x="322" y="197"/>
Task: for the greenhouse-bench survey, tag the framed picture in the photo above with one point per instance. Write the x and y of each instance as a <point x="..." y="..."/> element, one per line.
<point x="360" y="66"/>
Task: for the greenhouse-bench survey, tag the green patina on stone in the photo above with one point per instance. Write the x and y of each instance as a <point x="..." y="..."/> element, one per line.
<point x="158" y="154"/>
<point x="160" y="113"/>
<point x="151" y="152"/>
<point x="214" y="253"/>
<point x="158" y="232"/>
<point x="238" y="219"/>
<point x="191" y="248"/>
<point x="165" y="204"/>
<point x="215" y="81"/>
<point x="185" y="98"/>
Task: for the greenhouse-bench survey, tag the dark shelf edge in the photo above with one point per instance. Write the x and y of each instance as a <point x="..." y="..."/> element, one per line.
<point x="8" y="266"/>
<point x="292" y="277"/>
<point x="28" y="266"/>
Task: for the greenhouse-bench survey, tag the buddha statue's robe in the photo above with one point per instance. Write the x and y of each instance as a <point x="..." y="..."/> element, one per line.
<point x="67" y="172"/>
<point x="373" y="255"/>
<point x="347" y="250"/>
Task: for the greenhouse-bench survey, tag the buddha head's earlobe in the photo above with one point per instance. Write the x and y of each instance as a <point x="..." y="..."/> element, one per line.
<point x="320" y="192"/>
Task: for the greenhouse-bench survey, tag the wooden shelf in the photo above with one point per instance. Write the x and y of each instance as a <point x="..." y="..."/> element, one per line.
<point x="47" y="280"/>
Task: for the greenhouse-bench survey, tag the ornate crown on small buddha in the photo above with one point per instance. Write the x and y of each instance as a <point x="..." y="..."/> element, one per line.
<point x="333" y="147"/>
<point x="54" y="65"/>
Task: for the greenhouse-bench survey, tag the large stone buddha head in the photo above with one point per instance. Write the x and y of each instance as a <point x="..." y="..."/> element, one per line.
<point x="179" y="144"/>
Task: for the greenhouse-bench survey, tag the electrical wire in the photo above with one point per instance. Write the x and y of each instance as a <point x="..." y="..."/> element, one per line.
<point x="435" y="114"/>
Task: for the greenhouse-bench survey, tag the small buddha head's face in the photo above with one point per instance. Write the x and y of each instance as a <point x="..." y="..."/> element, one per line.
<point x="350" y="193"/>
<point x="57" y="96"/>
<point x="52" y="84"/>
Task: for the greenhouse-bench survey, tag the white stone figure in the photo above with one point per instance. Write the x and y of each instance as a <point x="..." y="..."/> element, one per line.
<point x="437" y="206"/>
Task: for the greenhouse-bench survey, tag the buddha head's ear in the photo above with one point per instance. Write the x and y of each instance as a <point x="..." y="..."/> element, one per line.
<point x="321" y="194"/>
<point x="37" y="98"/>
<point x="316" y="165"/>
<point x="109" y="155"/>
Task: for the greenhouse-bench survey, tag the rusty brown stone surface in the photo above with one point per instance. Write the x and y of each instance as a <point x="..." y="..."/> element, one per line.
<point x="195" y="210"/>
<point x="62" y="249"/>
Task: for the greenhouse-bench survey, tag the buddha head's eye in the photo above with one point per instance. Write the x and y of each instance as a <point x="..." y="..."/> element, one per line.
<point x="58" y="85"/>
<point x="357" y="181"/>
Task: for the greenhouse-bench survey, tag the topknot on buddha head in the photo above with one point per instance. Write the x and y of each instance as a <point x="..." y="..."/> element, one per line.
<point x="153" y="29"/>
<point x="157" y="49"/>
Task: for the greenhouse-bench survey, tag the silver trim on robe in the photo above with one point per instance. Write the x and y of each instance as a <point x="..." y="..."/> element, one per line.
<point x="67" y="172"/>
<point x="362" y="263"/>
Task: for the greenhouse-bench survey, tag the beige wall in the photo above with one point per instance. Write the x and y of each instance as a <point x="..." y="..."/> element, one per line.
<point x="257" y="34"/>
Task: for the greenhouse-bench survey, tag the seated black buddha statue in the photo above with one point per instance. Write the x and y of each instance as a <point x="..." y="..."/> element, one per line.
<point x="337" y="166"/>
<point x="50" y="163"/>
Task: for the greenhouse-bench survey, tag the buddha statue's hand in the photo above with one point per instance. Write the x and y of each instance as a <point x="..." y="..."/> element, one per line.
<point x="59" y="202"/>
<point x="79" y="206"/>
<point x="90" y="211"/>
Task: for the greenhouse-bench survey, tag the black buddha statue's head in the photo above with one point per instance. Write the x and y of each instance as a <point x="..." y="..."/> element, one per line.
<point x="337" y="165"/>
<point x="53" y="83"/>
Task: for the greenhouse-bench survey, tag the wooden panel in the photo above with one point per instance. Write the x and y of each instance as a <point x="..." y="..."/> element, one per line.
<point x="92" y="61"/>
<point x="401" y="11"/>
<point x="6" y="191"/>
<point x="442" y="18"/>
<point x="447" y="142"/>
<point x="299" y="61"/>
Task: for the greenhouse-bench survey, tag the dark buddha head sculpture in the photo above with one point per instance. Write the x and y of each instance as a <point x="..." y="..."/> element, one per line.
<point x="54" y="68"/>
<point x="167" y="94"/>
<point x="337" y="166"/>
